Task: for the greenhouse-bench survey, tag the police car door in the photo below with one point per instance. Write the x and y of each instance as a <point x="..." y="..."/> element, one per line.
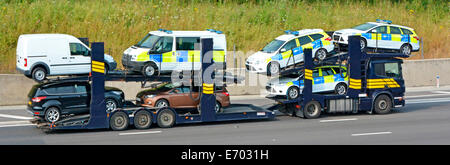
<point x="286" y="53"/>
<point x="188" y="53"/>
<point x="304" y="42"/>
<point x="396" y="38"/>
<point x="328" y="77"/>
<point x="379" y="37"/>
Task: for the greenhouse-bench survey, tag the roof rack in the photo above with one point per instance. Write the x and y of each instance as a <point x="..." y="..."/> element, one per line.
<point x="214" y="31"/>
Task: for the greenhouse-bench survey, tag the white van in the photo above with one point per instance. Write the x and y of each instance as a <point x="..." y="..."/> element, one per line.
<point x="163" y="51"/>
<point x="42" y="55"/>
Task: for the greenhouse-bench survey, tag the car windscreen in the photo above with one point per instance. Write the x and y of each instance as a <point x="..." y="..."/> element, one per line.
<point x="148" y="41"/>
<point x="364" y="27"/>
<point x="272" y="46"/>
<point x="292" y="75"/>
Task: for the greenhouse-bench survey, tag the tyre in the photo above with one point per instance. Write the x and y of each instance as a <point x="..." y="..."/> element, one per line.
<point x="119" y="121"/>
<point x="340" y="89"/>
<point x="321" y="54"/>
<point x="111" y="105"/>
<point x="142" y="119"/>
<point x="382" y="104"/>
<point x="406" y="49"/>
<point x="273" y="68"/>
<point x="52" y="114"/>
<point x="293" y="92"/>
<point x="166" y="118"/>
<point x="106" y="69"/>
<point x="39" y="74"/>
<point x="149" y="70"/>
<point x="363" y="44"/>
<point x="161" y="103"/>
<point x="312" y="110"/>
<point x="218" y="107"/>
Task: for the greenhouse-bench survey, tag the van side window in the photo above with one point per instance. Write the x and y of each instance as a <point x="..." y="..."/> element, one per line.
<point x="316" y="36"/>
<point x="188" y="43"/>
<point x="78" y="49"/>
<point x="304" y="40"/>
<point x="163" y="45"/>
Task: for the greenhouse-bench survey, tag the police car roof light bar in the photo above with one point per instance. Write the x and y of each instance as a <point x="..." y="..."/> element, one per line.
<point x="384" y="21"/>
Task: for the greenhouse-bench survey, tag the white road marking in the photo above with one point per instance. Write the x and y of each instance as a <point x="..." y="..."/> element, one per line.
<point x="432" y="95"/>
<point x="336" y="120"/>
<point x="373" y="133"/>
<point x="432" y="100"/>
<point x="15" y="117"/>
<point x="139" y="133"/>
<point x="441" y="92"/>
<point x="15" y="124"/>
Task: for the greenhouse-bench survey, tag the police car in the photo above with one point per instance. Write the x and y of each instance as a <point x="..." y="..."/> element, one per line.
<point x="164" y="51"/>
<point x="325" y="79"/>
<point x="382" y="35"/>
<point x="287" y="50"/>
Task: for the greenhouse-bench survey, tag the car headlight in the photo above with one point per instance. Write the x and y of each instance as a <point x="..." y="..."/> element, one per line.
<point x="133" y="57"/>
<point x="149" y="96"/>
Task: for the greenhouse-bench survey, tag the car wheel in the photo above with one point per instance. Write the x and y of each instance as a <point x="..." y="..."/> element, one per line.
<point x="273" y="68"/>
<point x="119" y="121"/>
<point x="111" y="105"/>
<point x="166" y="118"/>
<point x="39" y="74"/>
<point x="161" y="103"/>
<point x="405" y="49"/>
<point x="293" y="92"/>
<point x="340" y="89"/>
<point x="383" y="104"/>
<point x="106" y="69"/>
<point x="321" y="54"/>
<point x="52" y="114"/>
<point x="149" y="70"/>
<point x="312" y="110"/>
<point x="142" y="119"/>
<point x="218" y="107"/>
<point x="363" y="44"/>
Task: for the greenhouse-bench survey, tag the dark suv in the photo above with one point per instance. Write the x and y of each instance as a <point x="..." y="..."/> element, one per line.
<point x="53" y="100"/>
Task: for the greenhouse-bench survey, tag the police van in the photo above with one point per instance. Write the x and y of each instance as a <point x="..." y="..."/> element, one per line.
<point x="164" y="51"/>
<point x="287" y="49"/>
<point x="382" y="35"/>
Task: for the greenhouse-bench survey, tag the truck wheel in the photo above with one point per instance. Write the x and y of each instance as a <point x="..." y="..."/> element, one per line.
<point x="149" y="70"/>
<point x="39" y="74"/>
<point x="293" y="92"/>
<point x="382" y="105"/>
<point x="142" y="119"/>
<point x="273" y="68"/>
<point x="312" y="110"/>
<point x="166" y="118"/>
<point x="119" y="121"/>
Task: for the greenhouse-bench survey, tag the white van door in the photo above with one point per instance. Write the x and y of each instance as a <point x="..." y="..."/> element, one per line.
<point x="57" y="53"/>
<point x="79" y="59"/>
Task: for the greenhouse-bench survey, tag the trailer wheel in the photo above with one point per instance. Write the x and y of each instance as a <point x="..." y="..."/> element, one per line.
<point x="166" y="118"/>
<point x="383" y="104"/>
<point x="312" y="110"/>
<point x="142" y="119"/>
<point x="119" y="121"/>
